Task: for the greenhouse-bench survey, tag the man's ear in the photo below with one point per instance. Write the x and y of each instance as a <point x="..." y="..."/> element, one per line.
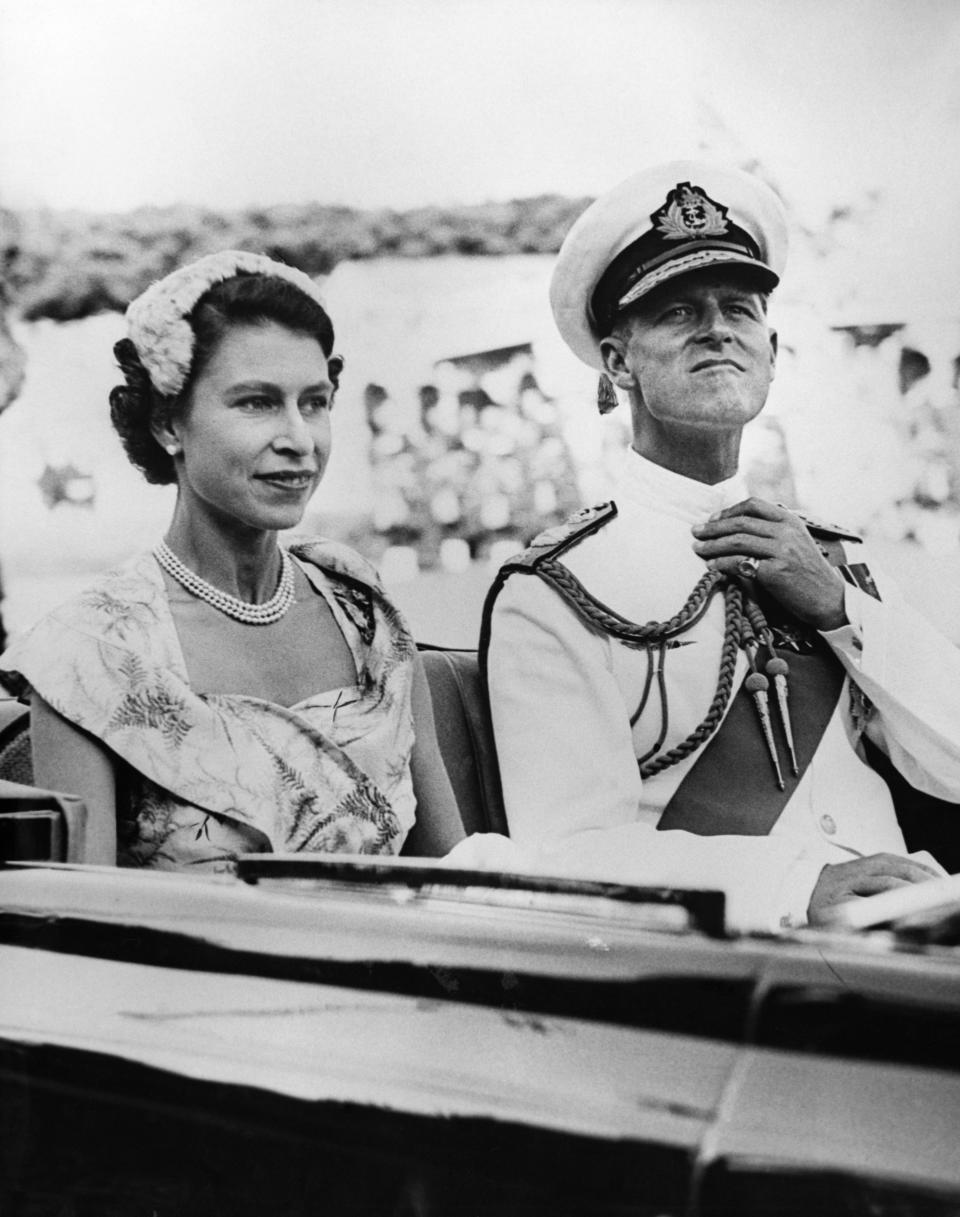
<point x="613" y="352"/>
<point x="774" y="346"/>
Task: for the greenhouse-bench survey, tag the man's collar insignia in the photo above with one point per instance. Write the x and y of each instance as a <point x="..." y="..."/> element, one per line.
<point x="689" y="213"/>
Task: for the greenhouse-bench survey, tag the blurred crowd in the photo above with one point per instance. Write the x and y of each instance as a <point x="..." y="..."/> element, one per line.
<point x="472" y="455"/>
<point x="890" y="414"/>
<point x="456" y="471"/>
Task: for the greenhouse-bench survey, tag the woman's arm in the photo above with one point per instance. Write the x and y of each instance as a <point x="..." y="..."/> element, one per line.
<point x="69" y="760"/>
<point x="438" y="827"/>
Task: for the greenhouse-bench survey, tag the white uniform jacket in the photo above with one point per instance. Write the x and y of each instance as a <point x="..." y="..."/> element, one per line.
<point x="562" y="696"/>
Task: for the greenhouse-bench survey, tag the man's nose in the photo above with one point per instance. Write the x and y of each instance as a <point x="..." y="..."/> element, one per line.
<point x="714" y="325"/>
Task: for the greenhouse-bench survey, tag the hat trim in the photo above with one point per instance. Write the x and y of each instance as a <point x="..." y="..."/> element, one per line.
<point x="695" y="247"/>
<point x="157" y="320"/>
<point x="694" y="261"/>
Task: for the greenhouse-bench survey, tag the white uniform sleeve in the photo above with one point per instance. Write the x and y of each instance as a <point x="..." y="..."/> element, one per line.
<point x="911" y="675"/>
<point x="570" y="778"/>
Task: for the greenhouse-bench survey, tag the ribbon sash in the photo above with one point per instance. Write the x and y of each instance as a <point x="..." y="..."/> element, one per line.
<point x="731" y="788"/>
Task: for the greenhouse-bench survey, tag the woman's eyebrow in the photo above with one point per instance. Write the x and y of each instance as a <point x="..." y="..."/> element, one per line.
<point x="268" y="386"/>
<point x="243" y="386"/>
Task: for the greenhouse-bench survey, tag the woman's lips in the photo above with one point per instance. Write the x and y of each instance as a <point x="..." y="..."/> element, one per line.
<point x="289" y="480"/>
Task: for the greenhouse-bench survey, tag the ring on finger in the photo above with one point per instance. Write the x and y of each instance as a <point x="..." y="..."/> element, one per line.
<point x="747" y="567"/>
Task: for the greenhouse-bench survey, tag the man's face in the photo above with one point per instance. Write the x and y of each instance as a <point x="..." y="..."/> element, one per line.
<point x="697" y="352"/>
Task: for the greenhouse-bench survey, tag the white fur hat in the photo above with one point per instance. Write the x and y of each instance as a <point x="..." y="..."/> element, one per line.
<point x="157" y="319"/>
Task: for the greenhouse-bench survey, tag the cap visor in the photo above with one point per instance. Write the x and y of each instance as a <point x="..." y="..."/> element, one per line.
<point x="702" y="259"/>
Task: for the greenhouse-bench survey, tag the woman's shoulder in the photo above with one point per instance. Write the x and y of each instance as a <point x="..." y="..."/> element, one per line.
<point x="128" y="588"/>
<point x="126" y="595"/>
<point x="116" y="614"/>
<point x="336" y="559"/>
<point x="357" y="588"/>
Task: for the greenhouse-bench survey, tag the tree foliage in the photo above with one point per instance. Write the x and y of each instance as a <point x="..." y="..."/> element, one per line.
<point x="68" y="264"/>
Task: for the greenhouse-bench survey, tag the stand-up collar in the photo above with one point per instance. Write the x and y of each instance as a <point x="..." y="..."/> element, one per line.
<point x="643" y="484"/>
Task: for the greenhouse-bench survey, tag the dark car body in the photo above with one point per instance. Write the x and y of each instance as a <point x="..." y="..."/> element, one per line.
<point x="357" y="1038"/>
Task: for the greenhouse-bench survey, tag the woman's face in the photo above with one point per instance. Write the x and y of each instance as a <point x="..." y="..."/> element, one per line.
<point x="254" y="438"/>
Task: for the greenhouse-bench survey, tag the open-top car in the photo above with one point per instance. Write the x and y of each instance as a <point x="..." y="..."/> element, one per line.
<point x="352" y="1035"/>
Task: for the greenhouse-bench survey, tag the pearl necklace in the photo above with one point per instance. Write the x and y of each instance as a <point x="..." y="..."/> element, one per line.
<point x="250" y="614"/>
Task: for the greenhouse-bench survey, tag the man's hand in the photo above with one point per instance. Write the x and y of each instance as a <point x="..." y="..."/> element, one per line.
<point x="791" y="567"/>
<point x="843" y="881"/>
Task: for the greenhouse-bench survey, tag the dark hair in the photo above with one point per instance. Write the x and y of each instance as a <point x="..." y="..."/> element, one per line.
<point x="243" y="299"/>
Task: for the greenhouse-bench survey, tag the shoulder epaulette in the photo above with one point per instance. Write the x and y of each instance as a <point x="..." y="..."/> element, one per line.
<point x="829" y="532"/>
<point x="540" y="553"/>
<point x="830" y="538"/>
<point x="557" y="540"/>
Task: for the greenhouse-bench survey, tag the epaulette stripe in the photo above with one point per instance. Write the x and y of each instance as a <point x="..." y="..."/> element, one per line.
<point x="822" y="530"/>
<point x="602" y="515"/>
<point x="818" y="528"/>
<point x="598" y="517"/>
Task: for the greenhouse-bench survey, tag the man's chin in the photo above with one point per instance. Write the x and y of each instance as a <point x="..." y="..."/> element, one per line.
<point x="733" y="409"/>
<point x="720" y="416"/>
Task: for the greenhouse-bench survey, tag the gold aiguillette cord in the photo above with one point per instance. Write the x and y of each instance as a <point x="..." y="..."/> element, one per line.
<point x="758" y="686"/>
<point x="777" y="670"/>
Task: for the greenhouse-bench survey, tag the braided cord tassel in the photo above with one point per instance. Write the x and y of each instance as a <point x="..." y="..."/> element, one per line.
<point x="606" y="621"/>
<point x="744" y="626"/>
<point x="733" y="616"/>
<point x="777" y="670"/>
<point x="756" y="683"/>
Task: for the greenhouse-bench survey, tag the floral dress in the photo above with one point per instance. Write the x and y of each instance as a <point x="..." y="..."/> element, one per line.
<point x="203" y="778"/>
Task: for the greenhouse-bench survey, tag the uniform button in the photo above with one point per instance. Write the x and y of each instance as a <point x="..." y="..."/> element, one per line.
<point x="828" y="824"/>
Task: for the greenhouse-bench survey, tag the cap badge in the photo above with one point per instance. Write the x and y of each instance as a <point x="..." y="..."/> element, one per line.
<point x="689" y="212"/>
